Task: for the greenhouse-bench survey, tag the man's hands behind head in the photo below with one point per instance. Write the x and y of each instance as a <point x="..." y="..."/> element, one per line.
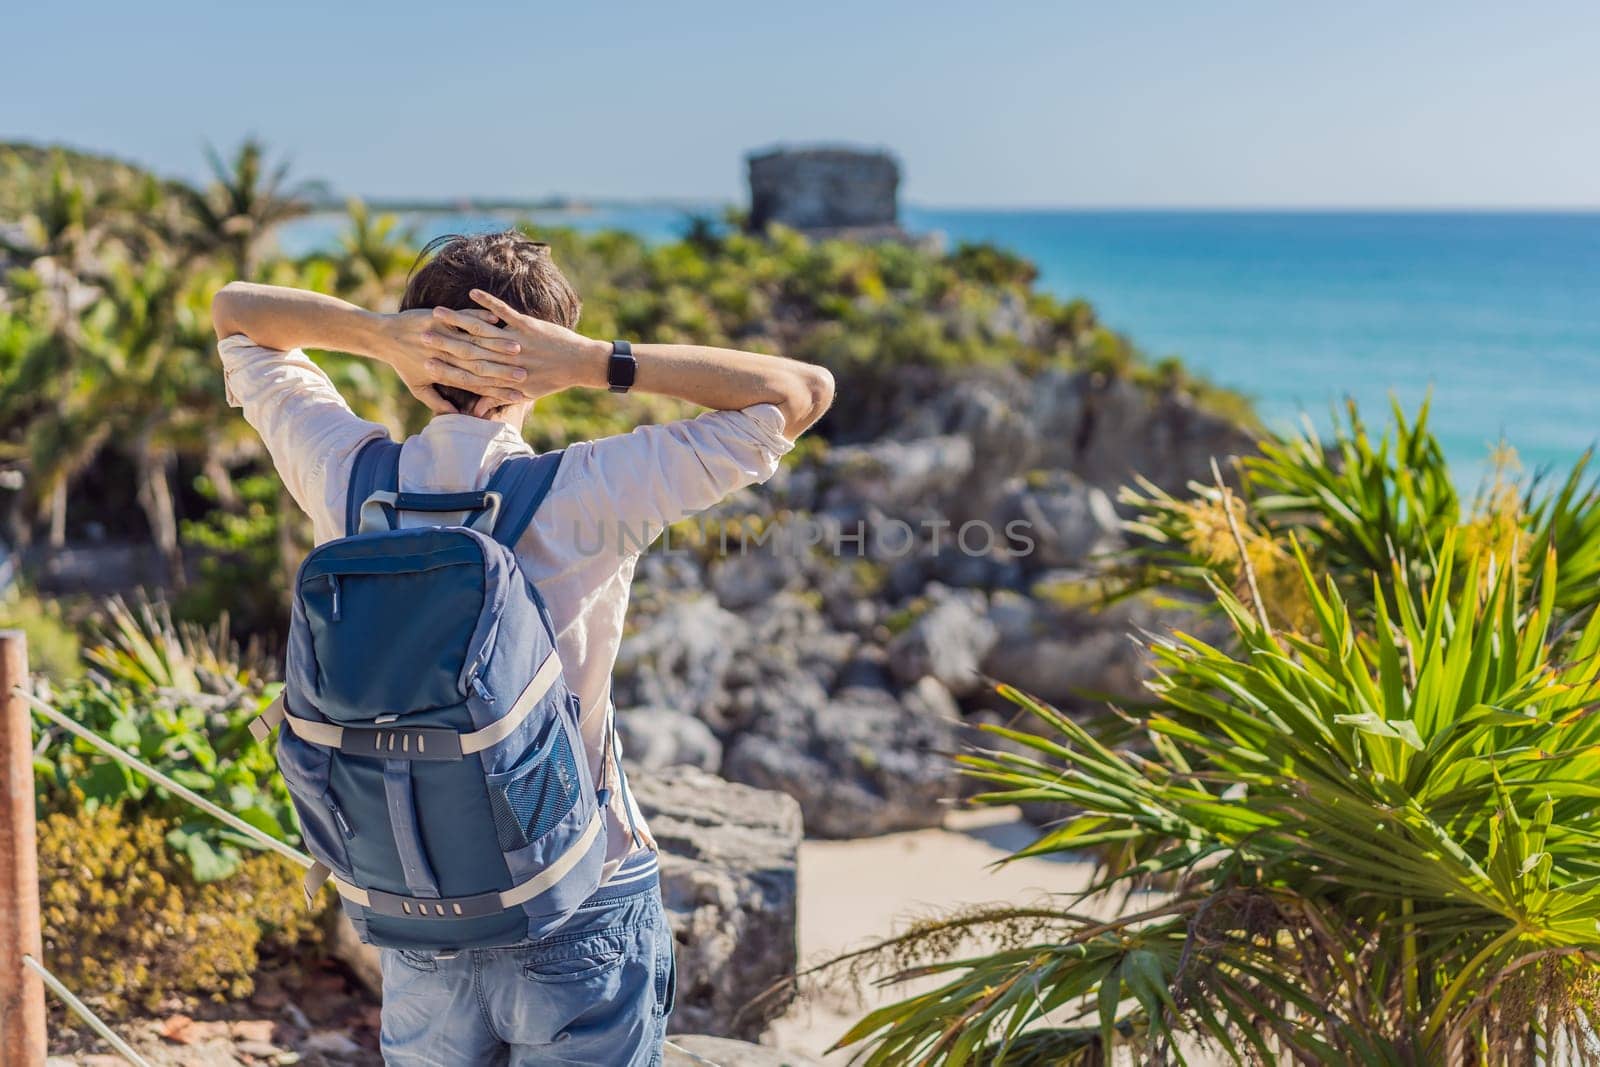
<point x="531" y="357"/>
<point x="412" y="342"/>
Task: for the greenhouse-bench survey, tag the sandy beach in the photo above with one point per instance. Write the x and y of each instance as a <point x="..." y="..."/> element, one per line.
<point x="852" y="892"/>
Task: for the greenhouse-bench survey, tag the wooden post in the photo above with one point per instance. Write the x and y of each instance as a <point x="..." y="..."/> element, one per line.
<point x="22" y="1036"/>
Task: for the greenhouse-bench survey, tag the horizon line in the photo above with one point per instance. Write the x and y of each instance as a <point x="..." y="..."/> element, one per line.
<point x="564" y="201"/>
<point x="501" y="201"/>
<point x="1269" y="208"/>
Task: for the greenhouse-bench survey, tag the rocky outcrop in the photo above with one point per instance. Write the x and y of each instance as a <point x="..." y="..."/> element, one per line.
<point x="839" y="658"/>
<point x="1100" y="429"/>
<point x="1079" y="654"/>
<point x="728" y="879"/>
<point x="1069" y="521"/>
<point x="657" y="738"/>
<point x="861" y="762"/>
<point x="679" y="658"/>
<point x="947" y="643"/>
<point x="898" y="477"/>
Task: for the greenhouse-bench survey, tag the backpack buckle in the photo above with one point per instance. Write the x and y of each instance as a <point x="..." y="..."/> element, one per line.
<point x="397" y="906"/>
<point x="422" y="743"/>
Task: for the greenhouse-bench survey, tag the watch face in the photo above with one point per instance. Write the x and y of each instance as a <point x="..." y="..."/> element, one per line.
<point x="621" y="367"/>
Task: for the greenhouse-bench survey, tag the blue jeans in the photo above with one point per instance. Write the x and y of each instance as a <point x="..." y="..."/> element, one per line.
<point x="596" y="992"/>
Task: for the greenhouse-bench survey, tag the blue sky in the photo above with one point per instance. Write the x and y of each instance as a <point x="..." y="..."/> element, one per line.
<point x="1019" y="104"/>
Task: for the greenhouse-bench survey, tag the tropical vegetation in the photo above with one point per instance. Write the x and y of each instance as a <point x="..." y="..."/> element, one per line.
<point x="143" y="898"/>
<point x="109" y="388"/>
<point x="1352" y="826"/>
<point x="1358" y="829"/>
<point x="115" y="425"/>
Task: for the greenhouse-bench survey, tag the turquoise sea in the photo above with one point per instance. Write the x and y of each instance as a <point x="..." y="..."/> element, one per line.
<point x="1497" y="313"/>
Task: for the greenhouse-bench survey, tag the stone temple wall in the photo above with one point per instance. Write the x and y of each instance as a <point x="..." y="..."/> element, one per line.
<point x="824" y="189"/>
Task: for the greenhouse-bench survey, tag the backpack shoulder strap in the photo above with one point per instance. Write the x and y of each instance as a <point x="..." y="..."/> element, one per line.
<point x="522" y="482"/>
<point x="377" y="467"/>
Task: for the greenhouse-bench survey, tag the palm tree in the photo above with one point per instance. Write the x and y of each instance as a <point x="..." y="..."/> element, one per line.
<point x="162" y="335"/>
<point x="245" y="199"/>
<point x="141" y="380"/>
<point x="66" y="219"/>
<point x="376" y="254"/>
<point x="74" y="234"/>
<point x="64" y="232"/>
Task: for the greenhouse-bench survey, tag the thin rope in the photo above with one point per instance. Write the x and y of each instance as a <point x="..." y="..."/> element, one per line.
<point x="680" y="1050"/>
<point x="82" y="1011"/>
<point x="255" y="833"/>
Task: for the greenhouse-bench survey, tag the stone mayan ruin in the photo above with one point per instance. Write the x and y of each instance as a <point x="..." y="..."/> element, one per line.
<point x="826" y="191"/>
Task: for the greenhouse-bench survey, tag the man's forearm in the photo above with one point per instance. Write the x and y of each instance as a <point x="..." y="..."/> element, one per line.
<point x="721" y="378"/>
<point x="277" y="317"/>
<point x="725" y="378"/>
<point x="274" y="316"/>
<point x="552" y="358"/>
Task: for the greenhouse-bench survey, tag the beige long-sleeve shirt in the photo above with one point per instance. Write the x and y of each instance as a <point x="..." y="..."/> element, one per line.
<point x="610" y="497"/>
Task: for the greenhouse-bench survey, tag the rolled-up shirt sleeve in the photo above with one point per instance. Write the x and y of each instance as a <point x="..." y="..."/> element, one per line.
<point x="310" y="431"/>
<point x="658" y="474"/>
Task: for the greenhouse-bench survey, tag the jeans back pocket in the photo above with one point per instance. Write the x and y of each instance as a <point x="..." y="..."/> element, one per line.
<point x="575" y="961"/>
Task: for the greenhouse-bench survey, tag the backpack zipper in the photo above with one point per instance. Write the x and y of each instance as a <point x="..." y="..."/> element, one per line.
<point x="333" y="583"/>
<point x="338" y="816"/>
<point x="476" y="685"/>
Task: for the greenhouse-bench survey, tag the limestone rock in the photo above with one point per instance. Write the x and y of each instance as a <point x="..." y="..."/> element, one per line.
<point x="656" y="738"/>
<point x="677" y="659"/>
<point x="728" y="879"/>
<point x="745" y="579"/>
<point x="1076" y="656"/>
<point x="860" y="764"/>
<point x="1060" y="669"/>
<point x="1066" y="520"/>
<point x="343" y="945"/>
<point x="1014" y="615"/>
<point x="898" y="476"/>
<point x="948" y="641"/>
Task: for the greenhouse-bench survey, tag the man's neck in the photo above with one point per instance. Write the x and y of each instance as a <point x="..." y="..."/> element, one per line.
<point x="512" y="415"/>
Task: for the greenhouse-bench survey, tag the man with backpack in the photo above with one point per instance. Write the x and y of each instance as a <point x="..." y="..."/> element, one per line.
<point x="446" y="723"/>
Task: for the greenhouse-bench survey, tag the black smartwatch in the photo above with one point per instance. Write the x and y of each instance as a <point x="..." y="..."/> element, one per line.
<point x="621" y="368"/>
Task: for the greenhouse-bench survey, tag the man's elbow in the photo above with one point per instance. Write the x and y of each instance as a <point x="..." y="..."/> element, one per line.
<point x="819" y="390"/>
<point x="813" y="395"/>
<point x="225" y="310"/>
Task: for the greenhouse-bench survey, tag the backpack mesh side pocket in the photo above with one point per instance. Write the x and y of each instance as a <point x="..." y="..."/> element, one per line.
<point x="528" y="802"/>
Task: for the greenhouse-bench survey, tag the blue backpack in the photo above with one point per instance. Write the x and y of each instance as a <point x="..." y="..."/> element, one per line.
<point x="432" y="745"/>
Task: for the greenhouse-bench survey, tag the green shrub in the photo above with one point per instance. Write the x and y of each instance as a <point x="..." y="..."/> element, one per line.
<point x="1368" y="509"/>
<point x="239" y="569"/>
<point x="992" y="266"/>
<point x="53" y="646"/>
<point x="126" y="925"/>
<point x="180" y="700"/>
<point x="1364" y="814"/>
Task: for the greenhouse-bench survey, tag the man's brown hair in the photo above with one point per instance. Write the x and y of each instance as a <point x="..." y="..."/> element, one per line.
<point x="510" y="265"/>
